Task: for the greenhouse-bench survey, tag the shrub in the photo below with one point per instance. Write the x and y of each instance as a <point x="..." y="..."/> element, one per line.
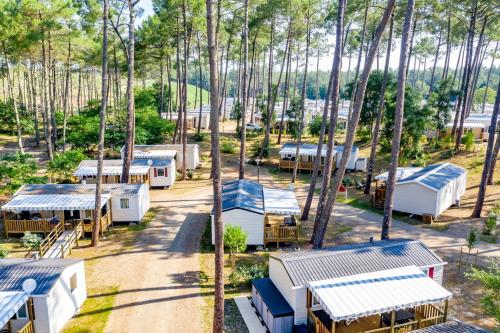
<point x="31" y="241"/>
<point x="190" y="174"/>
<point x="468" y="141"/>
<point x="471" y="239"/>
<point x="64" y="164"/>
<point x="256" y="149"/>
<point x="490" y="224"/>
<point x="3" y="252"/>
<point x="16" y="170"/>
<point x="235" y="239"/>
<point x="244" y="274"/>
<point x="227" y="147"/>
<point x="199" y="137"/>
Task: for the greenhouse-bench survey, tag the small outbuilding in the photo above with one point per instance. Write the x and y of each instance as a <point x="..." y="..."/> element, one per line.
<point x="274" y="310"/>
<point x="266" y="215"/>
<point x="58" y="294"/>
<point x="425" y="191"/>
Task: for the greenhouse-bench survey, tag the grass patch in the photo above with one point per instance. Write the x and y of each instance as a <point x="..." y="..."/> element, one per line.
<point x="148" y="217"/>
<point x="492" y="239"/>
<point x="95" y="311"/>
<point x="206" y="239"/>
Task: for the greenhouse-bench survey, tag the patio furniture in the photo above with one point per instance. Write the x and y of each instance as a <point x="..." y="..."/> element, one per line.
<point x="402" y="316"/>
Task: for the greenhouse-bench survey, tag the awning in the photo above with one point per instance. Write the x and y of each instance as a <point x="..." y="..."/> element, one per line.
<point x="401" y="172"/>
<point x="10" y="303"/>
<point x="302" y="152"/>
<point x="112" y="170"/>
<point x="279" y="201"/>
<point x="352" y="297"/>
<point x="48" y="202"/>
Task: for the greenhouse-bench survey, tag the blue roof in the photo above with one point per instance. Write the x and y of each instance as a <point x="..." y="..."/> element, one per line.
<point x="45" y="272"/>
<point x="435" y="176"/>
<point x="161" y="163"/>
<point x="275" y="302"/>
<point x="243" y="194"/>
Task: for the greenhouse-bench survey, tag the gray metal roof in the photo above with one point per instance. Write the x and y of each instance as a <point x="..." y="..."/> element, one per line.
<point x="244" y="194"/>
<point x="306" y="266"/>
<point x="435" y="176"/>
<point x="46" y="272"/>
<point x="453" y="326"/>
<point x="113" y="189"/>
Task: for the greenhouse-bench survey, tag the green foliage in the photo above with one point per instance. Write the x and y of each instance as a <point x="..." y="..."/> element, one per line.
<point x="416" y="120"/>
<point x="439" y="103"/>
<point x="16" y="170"/>
<point x="369" y="110"/>
<point x="190" y="174"/>
<point x="490" y="224"/>
<point x="314" y="126"/>
<point x="235" y="238"/>
<point x="3" y="252"/>
<point x="199" y="137"/>
<point x="257" y="149"/>
<point x="244" y="274"/>
<point x="293" y="113"/>
<point x="64" y="164"/>
<point x="31" y="241"/>
<point x="8" y="120"/>
<point x="468" y="141"/>
<point x="472" y="239"/>
<point x="235" y="114"/>
<point x="490" y="280"/>
<point x="227" y="147"/>
<point x="479" y="95"/>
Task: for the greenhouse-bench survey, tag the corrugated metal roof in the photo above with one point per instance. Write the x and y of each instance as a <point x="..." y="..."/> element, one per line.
<point x="10" y="303"/>
<point x="314" y="265"/>
<point x="351" y="297"/>
<point x="435" y="176"/>
<point x="280" y="201"/>
<point x="46" y="272"/>
<point x="274" y="300"/>
<point x="113" y="189"/>
<point x="111" y="168"/>
<point x="243" y="194"/>
<point x="48" y="202"/>
<point x="452" y="326"/>
<point x="309" y="149"/>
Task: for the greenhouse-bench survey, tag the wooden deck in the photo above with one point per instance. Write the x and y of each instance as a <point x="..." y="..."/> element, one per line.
<point x="303" y="165"/>
<point x="276" y="231"/>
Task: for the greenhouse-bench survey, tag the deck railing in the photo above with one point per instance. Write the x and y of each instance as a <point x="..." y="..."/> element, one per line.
<point x="21" y="226"/>
<point x="319" y="327"/>
<point x="28" y="328"/>
<point x="281" y="234"/>
<point x="104" y="223"/>
<point x="303" y="165"/>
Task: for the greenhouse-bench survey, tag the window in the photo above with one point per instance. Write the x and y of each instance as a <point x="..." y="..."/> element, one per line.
<point x="161" y="172"/>
<point x="124" y="203"/>
<point x="73" y="282"/>
<point x="88" y="214"/>
<point x="23" y="312"/>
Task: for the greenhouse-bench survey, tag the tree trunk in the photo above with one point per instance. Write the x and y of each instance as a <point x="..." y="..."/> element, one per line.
<point x="102" y="126"/>
<point x="436" y="56"/>
<point x="218" y="322"/>
<point x="128" y="153"/>
<point x="162" y="87"/>
<point x="46" y="109"/>
<point x="302" y="101"/>
<point x="398" y="123"/>
<point x="285" y="93"/>
<point x="488" y="158"/>
<point x="378" y="122"/>
<point x="269" y="91"/>
<point x="10" y="85"/>
<point x="316" y="90"/>
<point x="244" y="91"/>
<point x="411" y="45"/>
<point x="448" y="49"/>
<point x="200" y="78"/>
<point x="353" y="124"/>
<point x="66" y="93"/>
<point x="187" y="40"/>
<point x="488" y="77"/>
<point x="224" y="87"/>
<point x="334" y="79"/>
<point x="35" y="104"/>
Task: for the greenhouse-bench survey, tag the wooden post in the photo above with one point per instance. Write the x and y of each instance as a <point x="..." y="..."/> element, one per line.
<point x="5" y="224"/>
<point x="393" y="320"/>
<point x="460" y="259"/>
<point x="62" y="250"/>
<point x="445" y="311"/>
<point x="333" y="326"/>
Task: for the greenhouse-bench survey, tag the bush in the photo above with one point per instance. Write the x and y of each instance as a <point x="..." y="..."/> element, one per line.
<point x="244" y="274"/>
<point x="256" y="149"/>
<point x="227" y="147"/>
<point x="468" y="141"/>
<point x="190" y="174"/>
<point x="17" y="170"/>
<point x="235" y="238"/>
<point x="31" y="241"/>
<point x="64" y="164"/>
<point x="199" y="137"/>
<point x="472" y="239"/>
<point x="3" y="252"/>
<point x="490" y="224"/>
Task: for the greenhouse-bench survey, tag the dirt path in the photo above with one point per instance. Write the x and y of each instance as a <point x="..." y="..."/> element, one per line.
<point x="159" y="291"/>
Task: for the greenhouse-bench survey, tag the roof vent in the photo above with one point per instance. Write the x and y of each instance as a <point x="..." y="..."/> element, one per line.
<point x="371" y="239"/>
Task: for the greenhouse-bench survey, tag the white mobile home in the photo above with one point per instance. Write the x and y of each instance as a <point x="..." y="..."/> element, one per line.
<point x="169" y="152"/>
<point x="427" y="191"/>
<point x="59" y="293"/>
<point x="293" y="272"/>
<point x="39" y="207"/>
<point x="266" y="215"/>
<point x="153" y="172"/>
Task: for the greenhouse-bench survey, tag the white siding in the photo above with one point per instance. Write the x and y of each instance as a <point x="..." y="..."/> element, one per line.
<point x="438" y="274"/>
<point x="296" y="298"/>
<point x="131" y="214"/>
<point x="250" y="222"/>
<point x="143" y="201"/>
<point x="192" y="156"/>
<point x="41" y="310"/>
<point x="414" y="198"/>
<point x="351" y="162"/>
<point x="162" y="181"/>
